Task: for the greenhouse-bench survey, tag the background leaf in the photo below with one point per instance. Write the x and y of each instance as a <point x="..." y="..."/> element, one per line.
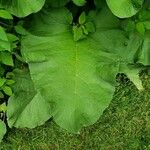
<point x="79" y="2"/>
<point x="4" y="42"/>
<point x="2" y="130"/>
<point x="3" y="35"/>
<point x="124" y="8"/>
<point x="57" y="3"/>
<point x="5" y="14"/>
<point x="26" y="108"/>
<point x="22" y="8"/>
<point x="6" y="58"/>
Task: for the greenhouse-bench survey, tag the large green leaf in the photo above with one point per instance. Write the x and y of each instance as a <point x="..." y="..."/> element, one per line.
<point x="2" y="129"/>
<point x="26" y="108"/>
<point x="124" y="8"/>
<point x="76" y="78"/>
<point x="22" y="8"/>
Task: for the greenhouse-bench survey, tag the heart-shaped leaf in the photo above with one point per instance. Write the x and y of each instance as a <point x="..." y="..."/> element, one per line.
<point x="75" y="77"/>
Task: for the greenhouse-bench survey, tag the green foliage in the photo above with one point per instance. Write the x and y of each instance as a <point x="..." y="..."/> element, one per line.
<point x="62" y="60"/>
<point x="79" y="2"/>
<point x="66" y="80"/>
<point x="4" y="42"/>
<point x="26" y="103"/>
<point x="2" y="130"/>
<point x="57" y="3"/>
<point x="5" y="14"/>
<point x="22" y="8"/>
<point x="70" y="79"/>
<point x="82" y="18"/>
<point x="82" y="28"/>
<point x="125" y="8"/>
<point x="3" y="107"/>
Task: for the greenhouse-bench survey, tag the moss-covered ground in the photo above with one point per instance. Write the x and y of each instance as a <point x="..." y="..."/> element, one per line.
<point x="125" y="125"/>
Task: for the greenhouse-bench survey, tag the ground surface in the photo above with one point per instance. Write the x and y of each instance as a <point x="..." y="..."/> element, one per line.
<point x="125" y="125"/>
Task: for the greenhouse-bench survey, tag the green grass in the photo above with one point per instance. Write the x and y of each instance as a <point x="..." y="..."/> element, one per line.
<point x="125" y="125"/>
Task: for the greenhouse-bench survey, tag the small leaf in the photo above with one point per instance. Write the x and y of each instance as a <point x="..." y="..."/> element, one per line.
<point x="147" y="25"/>
<point x="18" y="57"/>
<point x="4" y="43"/>
<point x="85" y="31"/>
<point x="5" y="14"/>
<point x="82" y="18"/>
<point x="13" y="40"/>
<point x="20" y="30"/>
<point x="7" y="90"/>
<point x="78" y="33"/>
<point x="6" y="58"/>
<point x="79" y="2"/>
<point x="1" y="70"/>
<point x="144" y="15"/>
<point x="2" y="81"/>
<point x="3" y="35"/>
<point x="12" y="37"/>
<point x="3" y="107"/>
<point x="10" y="75"/>
<point x="140" y="28"/>
<point x="90" y="27"/>
<point x="1" y="95"/>
<point x="9" y="82"/>
<point x="2" y="130"/>
<point x="128" y="25"/>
